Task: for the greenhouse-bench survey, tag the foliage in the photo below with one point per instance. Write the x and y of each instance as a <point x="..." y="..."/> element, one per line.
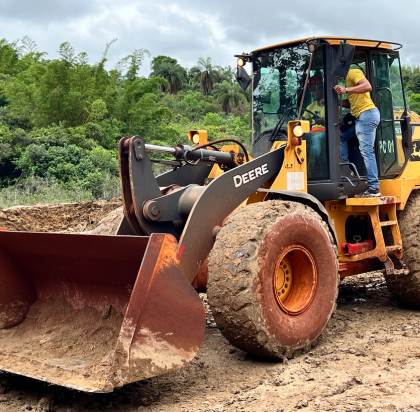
<point x="169" y="69"/>
<point x="60" y="119"/>
<point x="415" y="102"/>
<point x="411" y="79"/>
<point x="230" y="96"/>
<point x="208" y="75"/>
<point x="37" y="190"/>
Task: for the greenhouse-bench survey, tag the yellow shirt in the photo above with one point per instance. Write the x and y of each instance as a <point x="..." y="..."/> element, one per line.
<point x="316" y="108"/>
<point x="359" y="102"/>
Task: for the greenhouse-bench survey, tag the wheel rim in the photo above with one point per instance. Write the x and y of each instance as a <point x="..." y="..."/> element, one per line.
<point x="295" y="280"/>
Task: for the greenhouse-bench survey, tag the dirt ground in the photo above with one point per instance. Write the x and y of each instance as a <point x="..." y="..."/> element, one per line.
<point x="367" y="360"/>
<point x="70" y="217"/>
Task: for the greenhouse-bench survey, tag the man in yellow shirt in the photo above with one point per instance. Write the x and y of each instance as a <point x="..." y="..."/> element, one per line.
<point x="315" y="112"/>
<point x="367" y="117"/>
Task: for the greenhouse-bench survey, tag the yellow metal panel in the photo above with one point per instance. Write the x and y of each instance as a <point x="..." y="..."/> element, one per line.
<point x="403" y="185"/>
<point x="293" y="174"/>
<point x="371" y="201"/>
<point x="340" y="210"/>
<point x="201" y="136"/>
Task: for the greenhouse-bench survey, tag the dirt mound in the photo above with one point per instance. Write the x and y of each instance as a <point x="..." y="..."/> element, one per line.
<point x="67" y="217"/>
<point x="109" y="224"/>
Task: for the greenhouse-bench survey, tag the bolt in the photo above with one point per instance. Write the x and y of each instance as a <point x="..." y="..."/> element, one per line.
<point x="151" y="210"/>
<point x="138" y="148"/>
<point x="154" y="210"/>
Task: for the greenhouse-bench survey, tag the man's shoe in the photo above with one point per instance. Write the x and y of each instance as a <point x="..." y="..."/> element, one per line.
<point x="369" y="192"/>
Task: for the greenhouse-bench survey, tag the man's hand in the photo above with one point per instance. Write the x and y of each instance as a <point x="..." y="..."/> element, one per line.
<point x="361" y="87"/>
<point x="340" y="89"/>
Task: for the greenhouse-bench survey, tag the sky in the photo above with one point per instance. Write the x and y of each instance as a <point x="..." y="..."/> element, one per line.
<point x="188" y="29"/>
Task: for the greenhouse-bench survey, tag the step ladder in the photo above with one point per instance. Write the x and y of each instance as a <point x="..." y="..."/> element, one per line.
<point x="383" y="215"/>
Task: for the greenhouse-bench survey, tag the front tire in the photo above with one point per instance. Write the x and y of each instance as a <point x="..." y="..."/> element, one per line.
<point x="273" y="278"/>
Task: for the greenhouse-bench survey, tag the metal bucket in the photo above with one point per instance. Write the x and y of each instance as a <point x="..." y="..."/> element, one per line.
<point x="94" y="312"/>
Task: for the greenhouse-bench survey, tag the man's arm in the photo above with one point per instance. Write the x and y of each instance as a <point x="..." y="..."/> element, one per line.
<point x="362" y="86"/>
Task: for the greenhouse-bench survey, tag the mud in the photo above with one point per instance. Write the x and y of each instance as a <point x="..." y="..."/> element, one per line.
<point x="368" y="359"/>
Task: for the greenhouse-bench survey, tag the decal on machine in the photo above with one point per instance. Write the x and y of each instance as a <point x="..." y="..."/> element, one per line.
<point x="415" y="151"/>
<point x="247" y="177"/>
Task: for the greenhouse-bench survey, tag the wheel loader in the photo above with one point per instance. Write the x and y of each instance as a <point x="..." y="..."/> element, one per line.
<point x="268" y="234"/>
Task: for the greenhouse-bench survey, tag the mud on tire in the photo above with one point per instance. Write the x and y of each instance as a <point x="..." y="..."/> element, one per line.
<point x="406" y="288"/>
<point x="252" y="310"/>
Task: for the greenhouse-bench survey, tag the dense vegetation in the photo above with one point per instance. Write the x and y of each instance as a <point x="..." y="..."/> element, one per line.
<point x="60" y="119"/>
<point x="411" y="78"/>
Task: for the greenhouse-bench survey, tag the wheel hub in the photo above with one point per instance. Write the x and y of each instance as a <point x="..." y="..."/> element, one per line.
<point x="283" y="279"/>
<point x="295" y="280"/>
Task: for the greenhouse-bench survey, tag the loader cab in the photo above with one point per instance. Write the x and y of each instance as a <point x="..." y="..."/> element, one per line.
<point x="295" y="81"/>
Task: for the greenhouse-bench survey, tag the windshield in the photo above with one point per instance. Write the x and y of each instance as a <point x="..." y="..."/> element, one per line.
<point x="279" y="77"/>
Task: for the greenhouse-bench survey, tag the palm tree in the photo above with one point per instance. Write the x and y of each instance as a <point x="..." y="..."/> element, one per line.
<point x="229" y="95"/>
<point x="208" y="74"/>
<point x="171" y="71"/>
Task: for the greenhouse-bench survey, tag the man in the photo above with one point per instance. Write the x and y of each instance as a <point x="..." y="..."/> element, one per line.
<point x="315" y="113"/>
<point x="367" y="117"/>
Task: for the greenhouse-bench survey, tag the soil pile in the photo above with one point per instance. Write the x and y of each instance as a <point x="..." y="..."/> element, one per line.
<point x="70" y="217"/>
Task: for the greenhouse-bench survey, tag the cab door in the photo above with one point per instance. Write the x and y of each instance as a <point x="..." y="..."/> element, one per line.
<point x="389" y="98"/>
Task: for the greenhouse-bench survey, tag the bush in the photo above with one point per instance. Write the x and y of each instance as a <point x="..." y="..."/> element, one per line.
<point x="38" y="190"/>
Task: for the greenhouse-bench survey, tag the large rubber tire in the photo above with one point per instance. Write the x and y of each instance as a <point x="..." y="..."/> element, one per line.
<point x="406" y="288"/>
<point x="242" y="266"/>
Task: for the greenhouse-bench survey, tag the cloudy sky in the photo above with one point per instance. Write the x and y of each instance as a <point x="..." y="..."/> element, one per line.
<point x="187" y="29"/>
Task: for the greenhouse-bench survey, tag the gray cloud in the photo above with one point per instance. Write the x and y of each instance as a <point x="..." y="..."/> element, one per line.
<point x="187" y="29"/>
<point x="45" y="11"/>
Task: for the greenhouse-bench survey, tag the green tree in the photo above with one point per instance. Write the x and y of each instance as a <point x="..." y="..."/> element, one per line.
<point x="414" y="102"/>
<point x="8" y="57"/>
<point x="229" y="96"/>
<point x="98" y="110"/>
<point x="207" y="75"/>
<point x="169" y="69"/>
<point x="411" y="78"/>
<point x="132" y="63"/>
<point x="147" y="115"/>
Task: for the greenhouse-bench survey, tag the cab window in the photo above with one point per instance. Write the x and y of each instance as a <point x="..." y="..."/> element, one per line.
<point x="390" y="101"/>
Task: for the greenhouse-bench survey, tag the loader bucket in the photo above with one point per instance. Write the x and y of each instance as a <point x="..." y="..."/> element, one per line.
<point x="94" y="312"/>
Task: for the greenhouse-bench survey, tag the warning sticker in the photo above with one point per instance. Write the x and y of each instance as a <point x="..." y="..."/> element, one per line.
<point x="295" y="181"/>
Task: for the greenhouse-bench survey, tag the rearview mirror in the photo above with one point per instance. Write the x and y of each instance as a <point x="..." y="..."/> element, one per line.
<point x="242" y="77"/>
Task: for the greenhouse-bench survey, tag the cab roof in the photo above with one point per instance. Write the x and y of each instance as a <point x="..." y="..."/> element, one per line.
<point x="378" y="44"/>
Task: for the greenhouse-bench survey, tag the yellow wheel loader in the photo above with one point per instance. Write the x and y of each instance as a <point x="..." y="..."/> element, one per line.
<point x="268" y="236"/>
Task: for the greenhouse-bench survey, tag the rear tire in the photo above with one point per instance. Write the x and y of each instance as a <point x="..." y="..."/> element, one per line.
<point x="273" y="278"/>
<point x="406" y="288"/>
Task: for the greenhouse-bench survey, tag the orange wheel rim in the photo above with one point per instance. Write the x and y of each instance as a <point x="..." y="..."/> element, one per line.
<point x="295" y="280"/>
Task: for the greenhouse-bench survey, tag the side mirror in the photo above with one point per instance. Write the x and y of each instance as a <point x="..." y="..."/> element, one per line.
<point x="242" y="77"/>
<point x="342" y="59"/>
<point x="406" y="131"/>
